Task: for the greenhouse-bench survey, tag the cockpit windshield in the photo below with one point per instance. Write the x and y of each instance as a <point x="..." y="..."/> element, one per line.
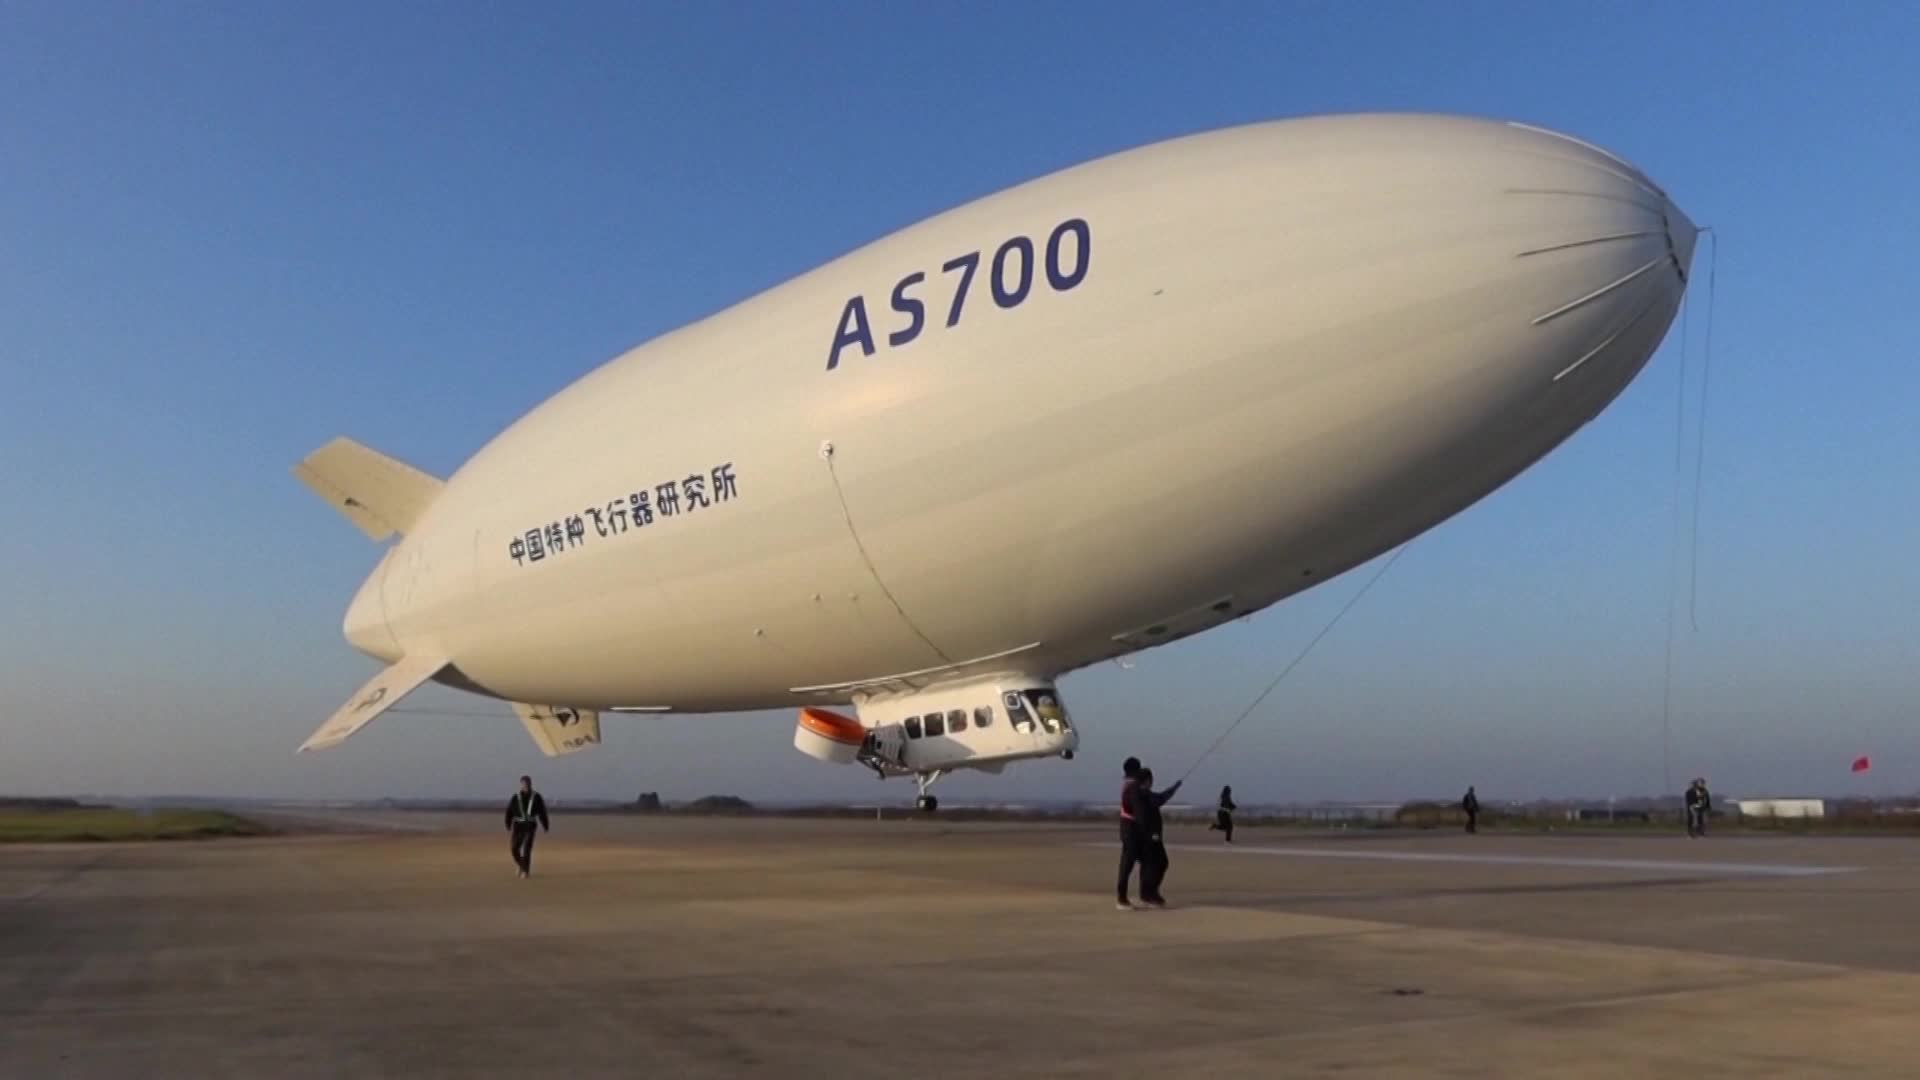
<point x="1017" y="715"/>
<point x="1053" y="715"/>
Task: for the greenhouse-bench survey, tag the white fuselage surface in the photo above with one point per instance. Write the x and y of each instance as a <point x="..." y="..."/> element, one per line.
<point x="1219" y="370"/>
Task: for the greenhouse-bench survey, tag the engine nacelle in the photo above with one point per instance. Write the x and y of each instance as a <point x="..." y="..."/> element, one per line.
<point x="829" y="736"/>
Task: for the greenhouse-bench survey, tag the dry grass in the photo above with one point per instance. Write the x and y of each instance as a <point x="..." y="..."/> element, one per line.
<point x="105" y="824"/>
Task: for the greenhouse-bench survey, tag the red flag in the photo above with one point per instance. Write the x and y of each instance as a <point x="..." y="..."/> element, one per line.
<point x="1861" y="764"/>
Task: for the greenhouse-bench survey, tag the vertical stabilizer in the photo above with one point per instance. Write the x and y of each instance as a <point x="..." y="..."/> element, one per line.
<point x="379" y="494"/>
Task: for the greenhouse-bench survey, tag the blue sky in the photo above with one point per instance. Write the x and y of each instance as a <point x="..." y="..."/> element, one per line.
<point x="231" y="231"/>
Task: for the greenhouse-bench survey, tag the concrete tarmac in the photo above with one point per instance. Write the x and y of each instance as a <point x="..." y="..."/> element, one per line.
<point x="404" y="945"/>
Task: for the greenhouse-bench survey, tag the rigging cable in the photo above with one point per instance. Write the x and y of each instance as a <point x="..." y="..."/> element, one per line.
<point x="427" y="711"/>
<point x="1699" y="464"/>
<point x="1673" y="548"/>
<point x="1700" y="437"/>
<point x="826" y="454"/>
<point x="1302" y="655"/>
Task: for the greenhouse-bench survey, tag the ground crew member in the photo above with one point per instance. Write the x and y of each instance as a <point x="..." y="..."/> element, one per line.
<point x="526" y="812"/>
<point x="1698" y="806"/>
<point x="1129" y="836"/>
<point x="1223" y="817"/>
<point x="1153" y="849"/>
<point x="1471" y="804"/>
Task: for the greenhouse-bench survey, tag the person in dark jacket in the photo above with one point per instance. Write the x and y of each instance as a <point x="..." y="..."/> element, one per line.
<point x="1153" y="849"/>
<point x="526" y="812"/>
<point x="1698" y="806"/>
<point x="1223" y="817"/>
<point x="1471" y="804"/>
<point x="1129" y="836"/>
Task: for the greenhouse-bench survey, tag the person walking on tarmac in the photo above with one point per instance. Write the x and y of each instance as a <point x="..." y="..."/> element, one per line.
<point x="1471" y="804"/>
<point x="1129" y="836"/>
<point x="1223" y="817"/>
<point x="526" y="812"/>
<point x="1153" y="849"/>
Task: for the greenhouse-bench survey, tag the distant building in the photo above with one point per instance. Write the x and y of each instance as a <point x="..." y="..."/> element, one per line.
<point x="1781" y="808"/>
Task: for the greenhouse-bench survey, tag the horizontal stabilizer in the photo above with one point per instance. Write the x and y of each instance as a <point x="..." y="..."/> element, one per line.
<point x="558" y="729"/>
<point x="380" y="693"/>
<point x="379" y="494"/>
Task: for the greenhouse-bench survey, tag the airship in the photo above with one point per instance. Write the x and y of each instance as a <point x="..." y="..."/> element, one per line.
<point x="905" y="493"/>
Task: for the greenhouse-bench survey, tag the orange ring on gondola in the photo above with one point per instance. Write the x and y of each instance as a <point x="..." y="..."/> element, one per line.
<point x="833" y="726"/>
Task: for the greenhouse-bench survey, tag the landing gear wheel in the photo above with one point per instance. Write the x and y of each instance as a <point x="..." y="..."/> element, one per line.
<point x="926" y="803"/>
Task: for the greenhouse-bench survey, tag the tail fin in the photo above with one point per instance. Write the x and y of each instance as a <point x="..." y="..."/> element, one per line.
<point x="379" y="694"/>
<point x="559" y="729"/>
<point x="380" y="495"/>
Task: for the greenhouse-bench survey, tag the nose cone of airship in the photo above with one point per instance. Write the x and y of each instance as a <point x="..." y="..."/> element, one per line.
<point x="1681" y="233"/>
